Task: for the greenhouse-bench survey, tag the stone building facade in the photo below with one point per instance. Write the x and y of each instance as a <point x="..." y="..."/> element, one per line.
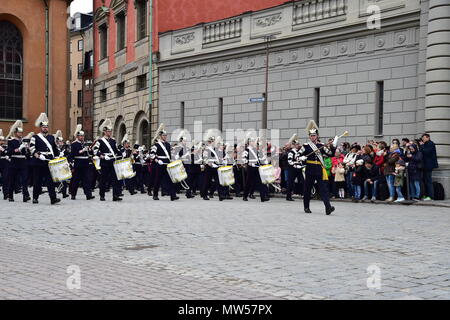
<point x="34" y="63"/>
<point x="80" y="23"/>
<point x="121" y="55"/>
<point x="329" y="60"/>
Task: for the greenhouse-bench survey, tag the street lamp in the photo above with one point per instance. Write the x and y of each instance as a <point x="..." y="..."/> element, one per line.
<point x="267" y="38"/>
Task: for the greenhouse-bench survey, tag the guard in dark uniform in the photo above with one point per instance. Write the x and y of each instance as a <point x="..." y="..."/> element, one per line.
<point x="127" y="152"/>
<point x="139" y="166"/>
<point x="212" y="162"/>
<point x="43" y="149"/>
<point x="80" y="155"/>
<point x="4" y="164"/>
<point x="17" y="152"/>
<point x="160" y="152"/>
<point x="106" y="149"/>
<point x="182" y="152"/>
<point x="294" y="167"/>
<point x="253" y="159"/>
<point x="64" y="151"/>
<point x="312" y="152"/>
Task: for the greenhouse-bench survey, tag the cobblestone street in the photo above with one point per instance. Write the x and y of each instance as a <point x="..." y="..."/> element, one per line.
<point x="195" y="249"/>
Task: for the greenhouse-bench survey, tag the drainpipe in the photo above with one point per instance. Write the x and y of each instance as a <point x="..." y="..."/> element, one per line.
<point x="150" y="72"/>
<point x="46" y="55"/>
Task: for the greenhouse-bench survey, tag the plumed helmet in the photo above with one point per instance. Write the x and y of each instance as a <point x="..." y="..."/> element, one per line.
<point x="41" y="121"/>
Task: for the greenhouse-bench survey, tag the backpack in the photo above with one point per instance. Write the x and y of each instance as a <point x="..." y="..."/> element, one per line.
<point x="439" y="193"/>
<point x="383" y="191"/>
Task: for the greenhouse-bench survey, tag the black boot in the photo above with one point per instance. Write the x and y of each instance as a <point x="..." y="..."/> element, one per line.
<point x="307" y="210"/>
<point x="155" y="197"/>
<point x="252" y="196"/>
<point x="245" y="199"/>
<point x="26" y="198"/>
<point x="11" y="199"/>
<point x="205" y="198"/>
<point x="173" y="198"/>
<point x="35" y="201"/>
<point x="117" y="198"/>
<point x="289" y="198"/>
<point x="150" y="193"/>
<point x="55" y="200"/>
<point x="329" y="210"/>
<point x="90" y="197"/>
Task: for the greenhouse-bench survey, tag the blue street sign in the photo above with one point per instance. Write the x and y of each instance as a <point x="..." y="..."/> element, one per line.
<point x="261" y="99"/>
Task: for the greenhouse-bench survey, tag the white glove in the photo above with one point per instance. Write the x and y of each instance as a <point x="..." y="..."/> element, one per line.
<point x="107" y="157"/>
<point x="303" y="158"/>
<point x="42" y="157"/>
<point x="335" y="141"/>
<point x="160" y="162"/>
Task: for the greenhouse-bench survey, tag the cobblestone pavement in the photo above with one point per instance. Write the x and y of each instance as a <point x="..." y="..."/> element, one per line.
<point x="195" y="249"/>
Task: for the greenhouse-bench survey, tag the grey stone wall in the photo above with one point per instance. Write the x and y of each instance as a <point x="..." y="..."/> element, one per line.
<point x="346" y="72"/>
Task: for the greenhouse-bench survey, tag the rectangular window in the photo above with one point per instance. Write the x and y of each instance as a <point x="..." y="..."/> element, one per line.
<point x="80" y="98"/>
<point x="120" y="89"/>
<point x="141" y="19"/>
<point x="316" y="112"/>
<point x="379" y="109"/>
<point x="141" y="82"/>
<point x="220" y="114"/>
<point x="182" y="115"/>
<point x="103" y="95"/>
<point x="80" y="70"/>
<point x="70" y="72"/>
<point x="103" y="31"/>
<point x="80" y="45"/>
<point x="120" y="21"/>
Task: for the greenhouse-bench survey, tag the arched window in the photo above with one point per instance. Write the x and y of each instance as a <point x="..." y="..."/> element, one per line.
<point x="144" y="133"/>
<point x="11" y="65"/>
<point x="122" y="132"/>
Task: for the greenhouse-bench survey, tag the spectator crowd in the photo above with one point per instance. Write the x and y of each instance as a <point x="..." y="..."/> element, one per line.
<point x="377" y="171"/>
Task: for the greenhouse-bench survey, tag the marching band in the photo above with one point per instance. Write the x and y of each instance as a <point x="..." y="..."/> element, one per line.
<point x="209" y="167"/>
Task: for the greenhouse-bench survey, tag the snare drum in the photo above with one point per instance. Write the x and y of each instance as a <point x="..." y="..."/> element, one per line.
<point x="96" y="162"/>
<point x="124" y="169"/>
<point x="267" y="174"/>
<point x="226" y="176"/>
<point x="60" y="169"/>
<point x="176" y="171"/>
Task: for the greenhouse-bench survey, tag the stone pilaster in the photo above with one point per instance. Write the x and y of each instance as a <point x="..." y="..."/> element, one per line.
<point x="437" y="101"/>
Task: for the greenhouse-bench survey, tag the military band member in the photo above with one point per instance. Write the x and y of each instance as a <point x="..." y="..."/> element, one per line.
<point x="196" y="168"/>
<point x="161" y="154"/>
<point x="4" y="164"/>
<point x="139" y="166"/>
<point x="312" y="152"/>
<point x="183" y="152"/>
<point x="106" y="149"/>
<point x="17" y="152"/>
<point x="127" y="152"/>
<point x="253" y="158"/>
<point x="295" y="168"/>
<point x="212" y="162"/>
<point x="43" y="149"/>
<point x="64" y="151"/>
<point x="80" y="154"/>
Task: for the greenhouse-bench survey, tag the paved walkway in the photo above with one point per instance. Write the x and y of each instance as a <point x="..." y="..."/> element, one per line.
<point x="195" y="249"/>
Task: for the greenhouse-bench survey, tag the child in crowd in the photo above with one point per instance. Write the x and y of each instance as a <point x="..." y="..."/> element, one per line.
<point x="399" y="174"/>
<point x="339" y="179"/>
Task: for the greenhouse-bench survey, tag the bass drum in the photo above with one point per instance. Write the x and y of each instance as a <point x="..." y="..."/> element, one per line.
<point x="176" y="171"/>
<point x="60" y="169"/>
<point x="124" y="169"/>
<point x="267" y="174"/>
<point x="226" y="176"/>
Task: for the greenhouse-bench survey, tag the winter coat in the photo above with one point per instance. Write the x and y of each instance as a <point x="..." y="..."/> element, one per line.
<point x="339" y="174"/>
<point x="389" y="165"/>
<point x="336" y="160"/>
<point x="428" y="150"/>
<point x="358" y="175"/>
<point x="415" y="165"/>
<point x="399" y="178"/>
